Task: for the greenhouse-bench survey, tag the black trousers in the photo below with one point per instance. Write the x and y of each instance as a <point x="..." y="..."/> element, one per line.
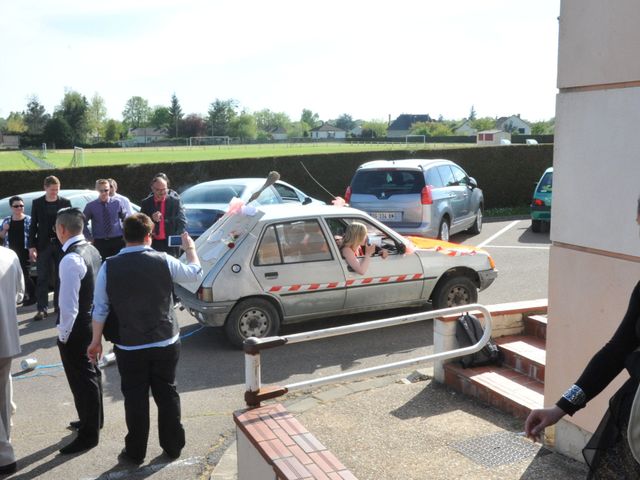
<point x="47" y="265"/>
<point x="85" y="381"/>
<point x="155" y="369"/>
<point x="30" y="287"/>
<point x="108" y="247"/>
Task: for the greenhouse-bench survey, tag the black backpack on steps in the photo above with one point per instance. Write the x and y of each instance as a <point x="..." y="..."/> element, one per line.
<point x="468" y="332"/>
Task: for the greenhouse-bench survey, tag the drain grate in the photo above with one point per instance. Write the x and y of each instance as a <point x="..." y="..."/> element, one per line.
<point x="497" y="449"/>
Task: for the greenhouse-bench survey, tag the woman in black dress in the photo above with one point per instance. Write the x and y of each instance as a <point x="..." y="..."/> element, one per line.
<point x="607" y="453"/>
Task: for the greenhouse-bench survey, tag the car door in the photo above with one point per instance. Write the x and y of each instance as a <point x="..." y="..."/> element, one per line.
<point x="295" y="262"/>
<point x="397" y="279"/>
<point x="457" y="194"/>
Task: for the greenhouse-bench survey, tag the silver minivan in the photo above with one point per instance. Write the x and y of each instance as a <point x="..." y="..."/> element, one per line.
<point x="430" y="198"/>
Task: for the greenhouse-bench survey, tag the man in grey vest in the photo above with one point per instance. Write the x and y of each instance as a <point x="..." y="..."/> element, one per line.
<point x="78" y="270"/>
<point x="133" y="307"/>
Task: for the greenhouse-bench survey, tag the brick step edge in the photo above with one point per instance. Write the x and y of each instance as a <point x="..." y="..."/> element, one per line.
<point x="524" y="354"/>
<point x="536" y="326"/>
<point x="500" y="387"/>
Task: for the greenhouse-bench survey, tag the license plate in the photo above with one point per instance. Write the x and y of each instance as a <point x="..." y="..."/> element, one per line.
<point x="387" y="216"/>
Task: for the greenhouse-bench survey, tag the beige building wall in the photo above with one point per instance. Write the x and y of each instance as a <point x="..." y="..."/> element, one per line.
<point x="595" y="252"/>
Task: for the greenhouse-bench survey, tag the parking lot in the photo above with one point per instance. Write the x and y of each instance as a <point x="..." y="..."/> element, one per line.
<point x="211" y="374"/>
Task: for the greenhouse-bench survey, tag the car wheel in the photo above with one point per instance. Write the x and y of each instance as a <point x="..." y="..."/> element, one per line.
<point x="455" y="291"/>
<point x="536" y="226"/>
<point x="477" y="225"/>
<point x="253" y="317"/>
<point x="443" y="231"/>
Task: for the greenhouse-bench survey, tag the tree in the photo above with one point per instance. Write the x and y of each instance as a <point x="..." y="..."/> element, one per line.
<point x="175" y="114"/>
<point x="194" y="126"/>
<point x="58" y="132"/>
<point x="112" y="130"/>
<point x="96" y="116"/>
<point x="243" y="126"/>
<point x="374" y="129"/>
<point x="472" y="114"/>
<point x="431" y="129"/>
<point x="35" y="116"/>
<point x="298" y="130"/>
<point x="220" y="114"/>
<point x="73" y="110"/>
<point x="484" y="123"/>
<point x="136" y="112"/>
<point x="310" y="118"/>
<point x="267" y="121"/>
<point x="345" y="122"/>
<point x="543" y="127"/>
<point x="15" y="123"/>
<point x="160" y="118"/>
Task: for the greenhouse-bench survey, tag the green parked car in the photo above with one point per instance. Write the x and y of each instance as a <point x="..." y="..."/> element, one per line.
<point x="541" y="203"/>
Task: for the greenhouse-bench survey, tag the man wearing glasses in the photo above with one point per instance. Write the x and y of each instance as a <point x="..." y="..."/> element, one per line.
<point x="165" y="208"/>
<point x="105" y="214"/>
<point x="15" y="233"/>
<point x="44" y="247"/>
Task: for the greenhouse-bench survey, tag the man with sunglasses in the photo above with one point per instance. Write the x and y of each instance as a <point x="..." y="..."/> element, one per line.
<point x="44" y="247"/>
<point x="78" y="271"/>
<point x="105" y="214"/>
<point x="15" y="233"/>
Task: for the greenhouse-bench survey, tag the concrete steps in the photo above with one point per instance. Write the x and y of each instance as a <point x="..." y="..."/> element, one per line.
<point x="517" y="386"/>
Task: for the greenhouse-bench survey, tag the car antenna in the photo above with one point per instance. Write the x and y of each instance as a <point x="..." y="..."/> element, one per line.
<point x="312" y="178"/>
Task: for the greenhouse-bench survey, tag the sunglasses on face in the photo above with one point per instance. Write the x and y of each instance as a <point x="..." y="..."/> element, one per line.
<point x="103" y="191"/>
<point x="17" y="206"/>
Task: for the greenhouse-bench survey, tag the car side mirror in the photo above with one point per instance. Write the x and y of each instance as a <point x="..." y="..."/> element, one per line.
<point x="306" y="201"/>
<point x="473" y="183"/>
<point x="402" y="248"/>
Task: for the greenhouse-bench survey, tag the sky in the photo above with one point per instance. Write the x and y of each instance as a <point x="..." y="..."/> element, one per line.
<point x="370" y="59"/>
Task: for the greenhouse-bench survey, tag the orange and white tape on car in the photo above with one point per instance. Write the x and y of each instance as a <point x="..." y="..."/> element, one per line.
<point x="356" y="282"/>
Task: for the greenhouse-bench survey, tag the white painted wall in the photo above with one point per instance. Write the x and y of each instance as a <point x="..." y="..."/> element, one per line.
<point x="595" y="252"/>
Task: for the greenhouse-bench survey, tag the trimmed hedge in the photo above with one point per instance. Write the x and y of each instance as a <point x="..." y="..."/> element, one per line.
<point x="506" y="173"/>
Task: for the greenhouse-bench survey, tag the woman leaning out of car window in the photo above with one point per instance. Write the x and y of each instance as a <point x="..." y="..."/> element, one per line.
<point x="352" y="242"/>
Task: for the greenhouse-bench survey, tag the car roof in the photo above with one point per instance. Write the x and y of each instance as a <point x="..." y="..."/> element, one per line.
<point x="416" y="163"/>
<point x="290" y="210"/>
<point x="231" y="181"/>
<point x="63" y="193"/>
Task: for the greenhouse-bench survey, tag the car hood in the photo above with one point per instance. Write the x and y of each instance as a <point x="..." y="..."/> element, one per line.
<point x="426" y="246"/>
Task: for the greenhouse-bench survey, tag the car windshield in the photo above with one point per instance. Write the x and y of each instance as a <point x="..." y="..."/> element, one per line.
<point x="546" y="184"/>
<point x="389" y="182"/>
<point x="212" y="193"/>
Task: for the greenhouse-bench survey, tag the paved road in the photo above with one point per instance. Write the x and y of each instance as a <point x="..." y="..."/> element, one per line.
<point x="211" y="375"/>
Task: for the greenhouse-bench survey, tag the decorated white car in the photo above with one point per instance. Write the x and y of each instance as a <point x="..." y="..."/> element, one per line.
<point x="279" y="264"/>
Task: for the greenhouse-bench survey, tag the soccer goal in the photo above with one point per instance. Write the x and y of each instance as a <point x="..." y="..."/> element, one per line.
<point x="415" y="139"/>
<point x="78" y="157"/>
<point x="215" y="140"/>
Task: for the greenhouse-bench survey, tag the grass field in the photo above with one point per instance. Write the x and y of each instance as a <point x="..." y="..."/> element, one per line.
<point x="120" y="156"/>
<point x="15" y="161"/>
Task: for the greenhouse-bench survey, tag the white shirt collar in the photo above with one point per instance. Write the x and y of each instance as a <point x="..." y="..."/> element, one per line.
<point x="71" y="241"/>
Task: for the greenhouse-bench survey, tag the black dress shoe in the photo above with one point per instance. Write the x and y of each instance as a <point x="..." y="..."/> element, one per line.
<point x="40" y="315"/>
<point x="29" y="301"/>
<point x="172" y="455"/>
<point x="125" y="457"/>
<point x="78" y="445"/>
<point x="75" y="424"/>
<point x="7" y="469"/>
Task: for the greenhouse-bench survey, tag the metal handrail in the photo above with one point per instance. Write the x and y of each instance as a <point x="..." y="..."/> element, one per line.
<point x="255" y="392"/>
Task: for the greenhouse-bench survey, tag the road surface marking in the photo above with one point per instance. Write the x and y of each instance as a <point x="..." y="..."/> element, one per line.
<point x="518" y="246"/>
<point x="496" y="235"/>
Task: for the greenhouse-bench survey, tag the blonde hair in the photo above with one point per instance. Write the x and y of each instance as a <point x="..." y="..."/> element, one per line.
<point x="355" y="235"/>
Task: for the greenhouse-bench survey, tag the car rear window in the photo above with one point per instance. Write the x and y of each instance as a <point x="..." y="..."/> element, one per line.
<point x="546" y="183"/>
<point x="389" y="182"/>
<point x="212" y="194"/>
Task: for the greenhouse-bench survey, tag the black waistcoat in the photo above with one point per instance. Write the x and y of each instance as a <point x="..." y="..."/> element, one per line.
<point x="140" y="289"/>
<point x="92" y="260"/>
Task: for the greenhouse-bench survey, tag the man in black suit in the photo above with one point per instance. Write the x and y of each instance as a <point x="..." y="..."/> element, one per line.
<point x="165" y="208"/>
<point x="44" y="246"/>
